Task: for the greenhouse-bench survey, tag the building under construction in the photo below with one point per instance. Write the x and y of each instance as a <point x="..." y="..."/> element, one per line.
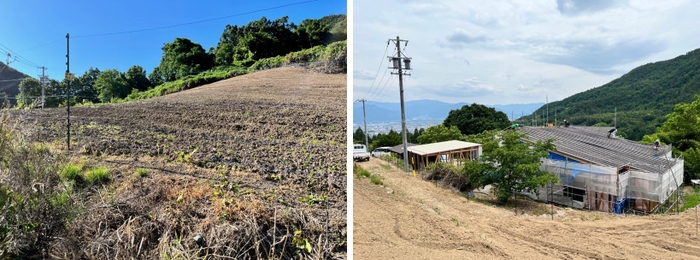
<point x="600" y="172"/>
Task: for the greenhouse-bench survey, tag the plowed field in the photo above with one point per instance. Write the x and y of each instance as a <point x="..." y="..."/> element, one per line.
<point x="263" y="155"/>
<point x="410" y="218"/>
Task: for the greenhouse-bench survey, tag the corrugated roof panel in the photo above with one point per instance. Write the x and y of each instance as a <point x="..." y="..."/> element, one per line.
<point x="441" y="147"/>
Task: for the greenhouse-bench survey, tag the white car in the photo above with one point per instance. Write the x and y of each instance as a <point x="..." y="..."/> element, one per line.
<point x="381" y="151"/>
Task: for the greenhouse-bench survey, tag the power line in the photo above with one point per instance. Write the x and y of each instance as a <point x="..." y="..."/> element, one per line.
<point x="42" y="45"/>
<point x="21" y="59"/>
<point x="393" y="79"/>
<point x="371" y="96"/>
<point x="195" y="22"/>
<point x="13" y="80"/>
<point x="378" y="69"/>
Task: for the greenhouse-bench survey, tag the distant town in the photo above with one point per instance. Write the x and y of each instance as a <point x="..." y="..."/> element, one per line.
<point x="374" y="128"/>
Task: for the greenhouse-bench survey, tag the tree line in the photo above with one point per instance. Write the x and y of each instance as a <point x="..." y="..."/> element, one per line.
<point x="239" y="46"/>
<point x="468" y="120"/>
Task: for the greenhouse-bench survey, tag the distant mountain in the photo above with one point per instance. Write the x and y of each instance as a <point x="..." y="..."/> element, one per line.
<point x="642" y="97"/>
<point x="9" y="82"/>
<point x="426" y="110"/>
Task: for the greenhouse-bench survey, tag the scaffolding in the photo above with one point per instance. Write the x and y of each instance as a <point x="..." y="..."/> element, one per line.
<point x="612" y="189"/>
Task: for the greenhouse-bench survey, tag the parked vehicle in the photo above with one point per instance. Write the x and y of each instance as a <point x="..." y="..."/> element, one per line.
<point x="359" y="153"/>
<point x="381" y="151"/>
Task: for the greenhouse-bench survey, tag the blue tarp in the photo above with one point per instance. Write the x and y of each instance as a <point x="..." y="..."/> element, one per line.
<point x="554" y="156"/>
<point x="620" y="205"/>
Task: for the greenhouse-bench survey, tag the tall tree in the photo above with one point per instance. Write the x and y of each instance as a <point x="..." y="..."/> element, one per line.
<point x="55" y="90"/>
<point x="112" y="84"/>
<point x="682" y="129"/>
<point x="510" y="165"/>
<point x="476" y="118"/>
<point x="183" y="57"/>
<point x="136" y="78"/>
<point x="359" y="136"/>
<point x="390" y="139"/>
<point x="155" y="77"/>
<point x="29" y="90"/>
<point x="84" y="86"/>
<point x="439" y="133"/>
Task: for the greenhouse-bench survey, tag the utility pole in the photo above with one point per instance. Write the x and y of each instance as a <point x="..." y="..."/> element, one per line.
<point x="364" y="114"/>
<point x="546" y="98"/>
<point x="615" y="123"/>
<point x="68" y="79"/>
<point x="43" y="79"/>
<point x="398" y="63"/>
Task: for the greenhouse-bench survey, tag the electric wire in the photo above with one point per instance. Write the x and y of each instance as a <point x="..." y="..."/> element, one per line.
<point x="392" y="83"/>
<point x="378" y="69"/>
<point x="19" y="57"/>
<point x="196" y="22"/>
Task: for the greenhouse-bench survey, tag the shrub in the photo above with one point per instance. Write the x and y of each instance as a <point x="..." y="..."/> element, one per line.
<point x="448" y="175"/>
<point x="267" y="63"/>
<point x="97" y="175"/>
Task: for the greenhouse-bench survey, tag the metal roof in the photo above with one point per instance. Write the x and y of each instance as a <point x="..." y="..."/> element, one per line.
<point x="595" y="147"/>
<point x="399" y="148"/>
<point x="441" y="147"/>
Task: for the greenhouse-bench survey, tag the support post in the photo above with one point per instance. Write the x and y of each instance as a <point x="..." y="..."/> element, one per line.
<point x="68" y="79"/>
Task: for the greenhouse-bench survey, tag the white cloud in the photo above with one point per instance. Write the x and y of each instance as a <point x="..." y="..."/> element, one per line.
<point x="518" y="51"/>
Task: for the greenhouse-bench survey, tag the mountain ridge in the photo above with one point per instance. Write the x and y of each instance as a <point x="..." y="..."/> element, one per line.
<point x="637" y="102"/>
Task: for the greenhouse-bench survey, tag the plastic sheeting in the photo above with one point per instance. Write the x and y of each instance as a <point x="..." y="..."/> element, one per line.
<point x="605" y="190"/>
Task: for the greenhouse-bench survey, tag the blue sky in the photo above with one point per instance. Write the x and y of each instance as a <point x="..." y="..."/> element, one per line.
<point x="514" y="51"/>
<point x="36" y="29"/>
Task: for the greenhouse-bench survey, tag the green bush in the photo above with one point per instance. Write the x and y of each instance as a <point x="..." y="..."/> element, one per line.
<point x="97" y="175"/>
<point x="188" y="82"/>
<point x="70" y="171"/>
<point x="305" y="55"/>
<point x="267" y="63"/>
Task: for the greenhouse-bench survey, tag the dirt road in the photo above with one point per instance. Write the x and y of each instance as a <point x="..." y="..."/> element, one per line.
<point x="409" y="218"/>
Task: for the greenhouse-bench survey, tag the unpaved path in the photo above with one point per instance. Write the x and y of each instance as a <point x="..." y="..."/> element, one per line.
<point x="410" y="218"/>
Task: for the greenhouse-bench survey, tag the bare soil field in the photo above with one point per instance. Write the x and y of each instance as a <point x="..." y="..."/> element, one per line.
<point x="409" y="218"/>
<point x="255" y="165"/>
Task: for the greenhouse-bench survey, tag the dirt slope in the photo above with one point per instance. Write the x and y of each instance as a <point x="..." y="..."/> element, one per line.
<point x="413" y="219"/>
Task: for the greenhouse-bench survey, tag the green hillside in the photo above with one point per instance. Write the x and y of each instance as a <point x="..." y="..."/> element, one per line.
<point x="643" y="97"/>
<point x="9" y="82"/>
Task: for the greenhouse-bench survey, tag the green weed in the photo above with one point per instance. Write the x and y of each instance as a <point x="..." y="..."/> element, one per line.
<point x="97" y="175"/>
<point x="141" y="172"/>
<point x="376" y="179"/>
<point x="70" y="171"/>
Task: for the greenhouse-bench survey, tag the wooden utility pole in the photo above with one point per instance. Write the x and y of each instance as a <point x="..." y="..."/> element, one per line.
<point x="43" y="79"/>
<point x="398" y="63"/>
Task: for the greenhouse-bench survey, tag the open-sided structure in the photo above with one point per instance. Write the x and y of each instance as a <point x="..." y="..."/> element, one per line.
<point x="607" y="174"/>
<point x="448" y="151"/>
